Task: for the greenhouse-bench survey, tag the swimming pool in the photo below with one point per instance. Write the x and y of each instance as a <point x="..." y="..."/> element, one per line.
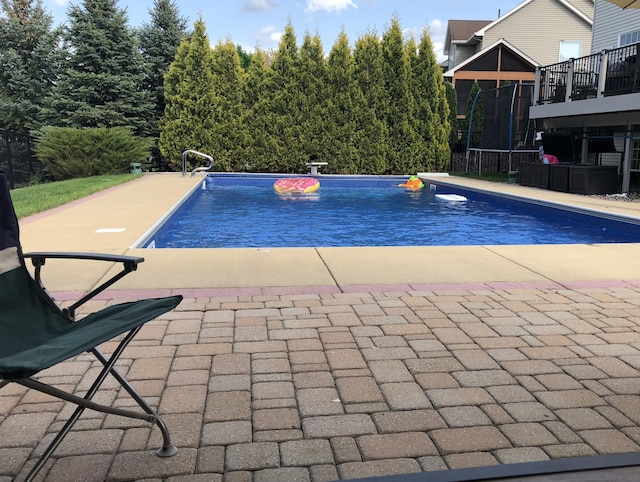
<point x="236" y="210"/>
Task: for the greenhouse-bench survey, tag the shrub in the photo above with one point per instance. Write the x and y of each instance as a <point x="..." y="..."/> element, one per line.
<point x="68" y="152"/>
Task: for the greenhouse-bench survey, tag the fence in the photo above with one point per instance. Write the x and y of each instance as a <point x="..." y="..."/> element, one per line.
<point x="17" y="159"/>
<point x="492" y="160"/>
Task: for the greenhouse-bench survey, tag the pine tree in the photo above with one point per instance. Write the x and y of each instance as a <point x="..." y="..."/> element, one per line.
<point x="229" y="136"/>
<point x="190" y="98"/>
<point x="404" y="146"/>
<point x="102" y="77"/>
<point x="28" y="60"/>
<point x="159" y="42"/>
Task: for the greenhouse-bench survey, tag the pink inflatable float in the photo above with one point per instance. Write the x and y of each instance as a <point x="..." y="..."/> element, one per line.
<point x="301" y="185"/>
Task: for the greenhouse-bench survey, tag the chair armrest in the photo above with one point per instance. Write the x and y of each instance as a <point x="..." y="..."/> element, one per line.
<point x="129" y="264"/>
<point x="40" y="256"/>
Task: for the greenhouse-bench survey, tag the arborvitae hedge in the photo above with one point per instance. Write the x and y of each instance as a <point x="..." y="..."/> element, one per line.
<point x="379" y="108"/>
<point x="191" y="99"/>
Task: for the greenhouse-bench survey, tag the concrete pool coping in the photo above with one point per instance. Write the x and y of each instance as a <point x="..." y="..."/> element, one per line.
<point x="113" y="220"/>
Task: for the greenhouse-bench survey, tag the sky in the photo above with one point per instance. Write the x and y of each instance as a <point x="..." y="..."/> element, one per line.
<point x="251" y="23"/>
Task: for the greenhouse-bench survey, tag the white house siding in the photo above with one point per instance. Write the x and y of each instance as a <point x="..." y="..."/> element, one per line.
<point x="609" y="22"/>
<point x="537" y="29"/>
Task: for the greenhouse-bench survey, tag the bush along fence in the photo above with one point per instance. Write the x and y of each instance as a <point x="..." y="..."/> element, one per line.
<point x="18" y="160"/>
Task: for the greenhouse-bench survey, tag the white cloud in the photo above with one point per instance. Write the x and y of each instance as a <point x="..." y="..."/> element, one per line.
<point x="61" y="3"/>
<point x="437" y="27"/>
<point x="438" y="47"/>
<point x="438" y="31"/>
<point x="329" y="5"/>
<point x="258" y="5"/>
<point x="267" y="36"/>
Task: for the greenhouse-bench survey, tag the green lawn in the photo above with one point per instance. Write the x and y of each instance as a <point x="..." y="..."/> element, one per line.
<point x="34" y="199"/>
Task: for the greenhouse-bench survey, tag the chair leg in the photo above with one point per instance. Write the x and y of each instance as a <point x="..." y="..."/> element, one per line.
<point x="54" y="444"/>
<point x="167" y="450"/>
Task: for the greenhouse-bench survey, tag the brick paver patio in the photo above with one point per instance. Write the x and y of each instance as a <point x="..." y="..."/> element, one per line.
<point x="319" y="387"/>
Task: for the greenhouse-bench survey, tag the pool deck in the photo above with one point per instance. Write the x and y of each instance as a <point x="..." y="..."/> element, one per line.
<point x="340" y="363"/>
<point x="132" y="209"/>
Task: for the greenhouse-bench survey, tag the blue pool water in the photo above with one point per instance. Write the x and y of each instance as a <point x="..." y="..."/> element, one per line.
<point x="236" y="211"/>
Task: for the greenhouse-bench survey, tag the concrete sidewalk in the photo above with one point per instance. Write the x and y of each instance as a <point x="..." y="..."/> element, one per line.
<point x="338" y="363"/>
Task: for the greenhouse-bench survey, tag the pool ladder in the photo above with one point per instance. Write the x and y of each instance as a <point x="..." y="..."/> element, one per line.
<point x="185" y="155"/>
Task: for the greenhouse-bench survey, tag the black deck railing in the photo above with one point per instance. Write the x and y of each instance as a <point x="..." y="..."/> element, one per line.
<point x="610" y="72"/>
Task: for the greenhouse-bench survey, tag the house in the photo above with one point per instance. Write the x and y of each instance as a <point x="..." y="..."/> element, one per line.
<point x="460" y="41"/>
<point x="614" y="27"/>
<point x="508" y="49"/>
<point x="596" y="98"/>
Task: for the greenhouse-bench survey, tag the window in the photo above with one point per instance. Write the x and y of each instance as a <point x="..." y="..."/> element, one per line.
<point x="635" y="156"/>
<point x="629" y="38"/>
<point x="570" y="49"/>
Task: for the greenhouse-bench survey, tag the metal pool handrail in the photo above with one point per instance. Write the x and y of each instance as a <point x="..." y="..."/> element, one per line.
<point x="186" y="153"/>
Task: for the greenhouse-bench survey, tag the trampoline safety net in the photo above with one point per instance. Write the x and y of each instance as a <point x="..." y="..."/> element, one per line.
<point x="500" y="118"/>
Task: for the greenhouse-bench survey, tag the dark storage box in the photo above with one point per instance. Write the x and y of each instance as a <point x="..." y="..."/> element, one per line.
<point x="559" y="177"/>
<point x="534" y="174"/>
<point x="573" y="178"/>
<point x="593" y="179"/>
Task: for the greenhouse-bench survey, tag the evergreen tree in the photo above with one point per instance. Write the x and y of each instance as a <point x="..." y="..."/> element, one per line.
<point x="422" y="119"/>
<point x="28" y="60"/>
<point x="312" y="86"/>
<point x="245" y="58"/>
<point x="159" y="42"/>
<point x="370" y="77"/>
<point x="260" y="144"/>
<point x="452" y="101"/>
<point x="432" y="106"/>
<point x="190" y="98"/>
<point x="369" y="71"/>
<point x="345" y="105"/>
<point x="229" y="136"/>
<point x="101" y="83"/>
<point x="357" y="146"/>
<point x="404" y="145"/>
<point x="283" y="118"/>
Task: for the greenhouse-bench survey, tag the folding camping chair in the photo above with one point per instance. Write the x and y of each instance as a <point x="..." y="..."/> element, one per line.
<point x="35" y="333"/>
